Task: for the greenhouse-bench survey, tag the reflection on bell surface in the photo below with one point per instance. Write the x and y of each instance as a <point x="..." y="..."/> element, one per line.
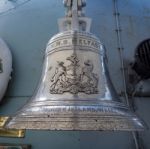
<point x="75" y="92"/>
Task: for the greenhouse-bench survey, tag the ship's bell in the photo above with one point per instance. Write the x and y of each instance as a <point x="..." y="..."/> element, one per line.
<point x="75" y="91"/>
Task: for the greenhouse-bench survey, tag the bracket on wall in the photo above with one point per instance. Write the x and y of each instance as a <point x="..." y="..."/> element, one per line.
<point x="10" y="132"/>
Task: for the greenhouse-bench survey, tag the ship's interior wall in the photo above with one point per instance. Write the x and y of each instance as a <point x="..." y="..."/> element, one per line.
<point x="27" y="29"/>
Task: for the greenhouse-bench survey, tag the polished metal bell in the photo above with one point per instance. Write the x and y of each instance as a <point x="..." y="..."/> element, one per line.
<point x="75" y="91"/>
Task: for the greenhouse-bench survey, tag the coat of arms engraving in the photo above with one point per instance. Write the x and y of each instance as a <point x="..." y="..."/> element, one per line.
<point x="74" y="78"/>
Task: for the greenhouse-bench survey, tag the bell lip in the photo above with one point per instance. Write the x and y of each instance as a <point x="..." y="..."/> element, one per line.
<point x="33" y="126"/>
<point x="124" y="122"/>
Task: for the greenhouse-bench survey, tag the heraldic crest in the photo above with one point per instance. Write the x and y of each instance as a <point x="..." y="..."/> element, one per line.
<point x="73" y="78"/>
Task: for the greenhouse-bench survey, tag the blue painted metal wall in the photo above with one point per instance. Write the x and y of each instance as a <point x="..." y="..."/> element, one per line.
<point x="27" y="29"/>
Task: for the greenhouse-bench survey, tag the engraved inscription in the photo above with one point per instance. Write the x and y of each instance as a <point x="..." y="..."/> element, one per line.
<point x="74" y="78"/>
<point x="79" y="42"/>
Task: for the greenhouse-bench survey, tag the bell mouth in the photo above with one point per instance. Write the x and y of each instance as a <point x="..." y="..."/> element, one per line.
<point x="78" y="117"/>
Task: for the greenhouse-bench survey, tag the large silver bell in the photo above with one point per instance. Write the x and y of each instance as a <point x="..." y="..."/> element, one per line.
<point x="75" y="92"/>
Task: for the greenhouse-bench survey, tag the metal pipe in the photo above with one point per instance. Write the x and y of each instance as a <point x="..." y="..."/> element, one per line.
<point x="120" y="48"/>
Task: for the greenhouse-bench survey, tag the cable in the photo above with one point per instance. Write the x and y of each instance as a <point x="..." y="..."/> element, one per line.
<point x="7" y="11"/>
